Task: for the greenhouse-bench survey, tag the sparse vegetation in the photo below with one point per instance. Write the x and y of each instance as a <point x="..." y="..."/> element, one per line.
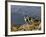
<point x="27" y="27"/>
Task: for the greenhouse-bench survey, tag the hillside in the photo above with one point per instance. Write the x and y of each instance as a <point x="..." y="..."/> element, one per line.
<point x="27" y="27"/>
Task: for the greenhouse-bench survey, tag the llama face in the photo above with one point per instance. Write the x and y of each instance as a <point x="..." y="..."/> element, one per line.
<point x="28" y="19"/>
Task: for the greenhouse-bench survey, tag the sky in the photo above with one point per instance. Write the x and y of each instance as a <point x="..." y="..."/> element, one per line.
<point x="18" y="12"/>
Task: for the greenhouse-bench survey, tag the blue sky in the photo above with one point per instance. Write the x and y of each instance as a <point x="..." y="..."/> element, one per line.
<point x="18" y="12"/>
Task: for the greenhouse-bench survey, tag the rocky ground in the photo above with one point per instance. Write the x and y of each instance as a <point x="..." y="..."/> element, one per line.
<point x="27" y="27"/>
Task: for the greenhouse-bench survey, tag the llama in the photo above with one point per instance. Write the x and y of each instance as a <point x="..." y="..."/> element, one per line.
<point x="28" y="19"/>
